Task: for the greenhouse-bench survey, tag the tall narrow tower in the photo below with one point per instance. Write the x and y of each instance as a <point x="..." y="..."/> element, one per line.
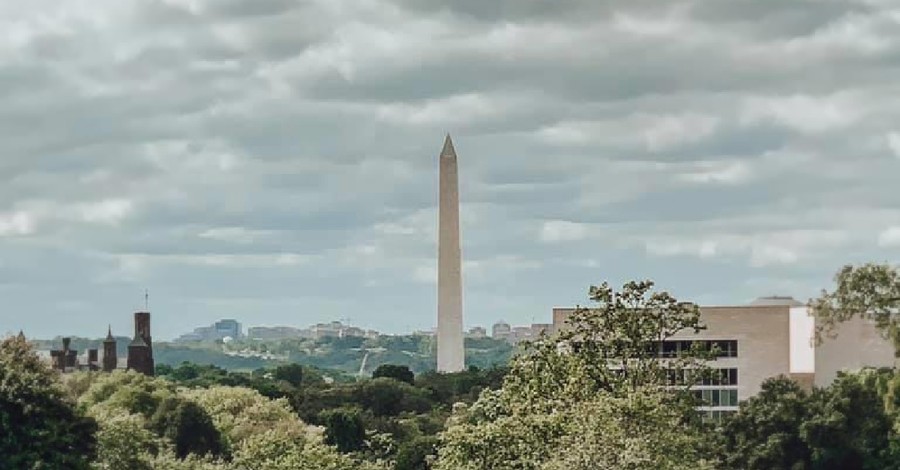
<point x="450" y="352"/>
<point x="110" y="355"/>
<point x="140" y="351"/>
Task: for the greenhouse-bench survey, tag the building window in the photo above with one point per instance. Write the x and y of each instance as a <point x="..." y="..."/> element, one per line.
<point x="726" y="348"/>
<point x="715" y="398"/>
<point x="720" y="377"/>
<point x="670" y="349"/>
<point x="715" y="416"/>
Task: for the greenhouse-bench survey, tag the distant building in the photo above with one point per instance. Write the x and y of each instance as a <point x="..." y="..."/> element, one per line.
<point x="65" y="359"/>
<point x="476" y="332"/>
<point x="110" y="354"/>
<point x="501" y="330"/>
<point x="520" y="333"/>
<point x="216" y="332"/>
<point x="538" y="329"/>
<point x="327" y="330"/>
<point x="228" y="328"/>
<point x="140" y="352"/>
<point x="353" y="331"/>
<point x="333" y="329"/>
<point x="277" y="332"/>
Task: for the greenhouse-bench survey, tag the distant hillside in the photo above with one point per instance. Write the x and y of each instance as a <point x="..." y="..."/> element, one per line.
<point x="343" y="354"/>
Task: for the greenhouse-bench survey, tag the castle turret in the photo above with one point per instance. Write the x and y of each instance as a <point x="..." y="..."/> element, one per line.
<point x="64" y="359"/>
<point x="140" y="351"/>
<point x="110" y="355"/>
<point x="93" y="359"/>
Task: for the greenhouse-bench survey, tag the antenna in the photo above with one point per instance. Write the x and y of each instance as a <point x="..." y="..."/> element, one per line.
<point x="146" y="300"/>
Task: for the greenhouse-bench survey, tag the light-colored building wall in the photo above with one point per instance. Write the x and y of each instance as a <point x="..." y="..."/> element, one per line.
<point x="763" y="341"/>
<point x="858" y="344"/>
<point x="775" y="336"/>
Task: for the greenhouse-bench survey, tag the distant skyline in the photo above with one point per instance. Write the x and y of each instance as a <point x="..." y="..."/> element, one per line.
<point x="275" y="161"/>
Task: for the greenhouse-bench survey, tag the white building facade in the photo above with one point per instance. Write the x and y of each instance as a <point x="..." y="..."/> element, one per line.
<point x="772" y="336"/>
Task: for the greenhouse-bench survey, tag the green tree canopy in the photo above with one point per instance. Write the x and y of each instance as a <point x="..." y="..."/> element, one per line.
<point x="188" y="427"/>
<point x="845" y="425"/>
<point x="39" y="427"/>
<point x="290" y="373"/>
<point x="401" y="373"/>
<point x="344" y="429"/>
<point x="595" y="396"/>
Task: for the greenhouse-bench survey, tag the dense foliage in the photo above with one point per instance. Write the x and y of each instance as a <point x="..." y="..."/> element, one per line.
<point x="592" y="397"/>
<point x="39" y="427"/>
<point x="393" y="416"/>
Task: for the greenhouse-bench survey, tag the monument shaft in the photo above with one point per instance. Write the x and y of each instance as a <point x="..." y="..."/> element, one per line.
<point x="450" y="351"/>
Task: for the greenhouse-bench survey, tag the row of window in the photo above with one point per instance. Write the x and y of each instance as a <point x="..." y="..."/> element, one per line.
<point x="670" y="349"/>
<point x="715" y="415"/>
<point x="717" y="397"/>
<point x="708" y="377"/>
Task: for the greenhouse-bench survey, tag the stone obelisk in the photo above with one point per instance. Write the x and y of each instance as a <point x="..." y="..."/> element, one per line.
<point x="450" y="352"/>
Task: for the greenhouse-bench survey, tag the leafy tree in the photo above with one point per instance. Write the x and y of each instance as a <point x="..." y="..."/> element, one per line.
<point x="239" y="413"/>
<point x="39" y="427"/>
<point x="613" y="348"/>
<point x="387" y="397"/>
<point x="130" y="391"/>
<point x="870" y="291"/>
<point x="290" y="373"/>
<point x="264" y="434"/>
<point x="400" y="373"/>
<point x="123" y="440"/>
<point x="465" y="386"/>
<point x="640" y="431"/>
<point x="595" y="396"/>
<point x="188" y="427"/>
<point x="417" y="454"/>
<point x="344" y="429"/>
<point x="521" y="442"/>
<point x="765" y="434"/>
<point x="848" y="427"/>
<point x="291" y="449"/>
<point x="841" y="426"/>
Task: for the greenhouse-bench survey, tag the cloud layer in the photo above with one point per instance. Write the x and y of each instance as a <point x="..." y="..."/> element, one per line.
<point x="276" y="160"/>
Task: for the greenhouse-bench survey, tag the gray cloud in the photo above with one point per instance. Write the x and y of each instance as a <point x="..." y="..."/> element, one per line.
<point x="275" y="160"/>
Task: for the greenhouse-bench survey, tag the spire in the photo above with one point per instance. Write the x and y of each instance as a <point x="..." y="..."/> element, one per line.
<point x="21" y="336"/>
<point x="109" y="336"/>
<point x="448" y="150"/>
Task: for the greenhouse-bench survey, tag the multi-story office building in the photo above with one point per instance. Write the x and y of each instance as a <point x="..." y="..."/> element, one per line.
<point x="476" y="332"/>
<point x="217" y="331"/>
<point x="770" y="337"/>
<point x="228" y="328"/>
<point x="501" y="330"/>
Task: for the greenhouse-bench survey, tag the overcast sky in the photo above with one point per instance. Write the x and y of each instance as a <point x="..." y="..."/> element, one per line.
<point x="275" y="161"/>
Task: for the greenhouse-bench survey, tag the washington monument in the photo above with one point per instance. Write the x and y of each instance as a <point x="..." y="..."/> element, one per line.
<point x="450" y="353"/>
